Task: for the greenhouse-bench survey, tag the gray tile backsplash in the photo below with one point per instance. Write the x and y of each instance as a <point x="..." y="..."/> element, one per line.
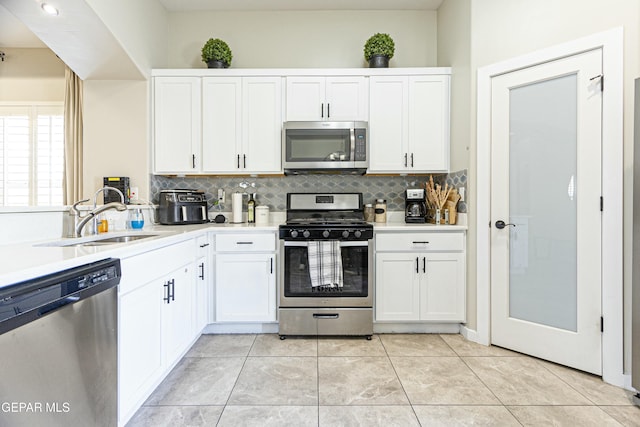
<point x="272" y="191"/>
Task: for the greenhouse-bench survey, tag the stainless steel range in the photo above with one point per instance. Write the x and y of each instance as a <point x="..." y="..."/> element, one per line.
<point x="326" y="285"/>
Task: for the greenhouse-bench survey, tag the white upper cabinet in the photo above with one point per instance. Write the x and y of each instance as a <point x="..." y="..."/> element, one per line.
<point x="261" y="124"/>
<point x="327" y="98"/>
<point x="221" y="123"/>
<point x="241" y="124"/>
<point x="409" y="123"/>
<point x="177" y="130"/>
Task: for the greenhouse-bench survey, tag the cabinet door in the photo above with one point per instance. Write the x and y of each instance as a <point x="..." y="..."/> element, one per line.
<point x="261" y="124"/>
<point x="347" y="98"/>
<point x="201" y="294"/>
<point x="428" y="123"/>
<point x="305" y="98"/>
<point x="442" y="293"/>
<point x="176" y="313"/>
<point x="397" y="286"/>
<point x="176" y="118"/>
<point x="388" y="121"/>
<point x="139" y="346"/>
<point x="221" y="123"/>
<point x="245" y="287"/>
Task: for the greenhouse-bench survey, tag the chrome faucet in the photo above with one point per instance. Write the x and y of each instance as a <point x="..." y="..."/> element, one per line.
<point x="92" y="215"/>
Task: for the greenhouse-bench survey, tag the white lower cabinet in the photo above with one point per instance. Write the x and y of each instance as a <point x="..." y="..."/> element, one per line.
<point x="420" y="277"/>
<point x="155" y="320"/>
<point x="245" y="271"/>
<point x="203" y="290"/>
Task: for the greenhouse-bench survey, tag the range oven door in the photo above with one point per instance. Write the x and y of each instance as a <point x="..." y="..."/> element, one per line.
<point x="357" y="269"/>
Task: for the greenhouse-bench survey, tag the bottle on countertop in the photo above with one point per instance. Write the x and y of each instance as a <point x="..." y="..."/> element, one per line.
<point x="251" y="209"/>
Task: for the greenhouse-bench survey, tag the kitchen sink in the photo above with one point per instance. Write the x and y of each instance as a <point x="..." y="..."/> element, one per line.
<point x="99" y="240"/>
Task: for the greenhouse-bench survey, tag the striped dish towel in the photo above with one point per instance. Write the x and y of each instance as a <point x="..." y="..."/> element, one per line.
<point x="325" y="263"/>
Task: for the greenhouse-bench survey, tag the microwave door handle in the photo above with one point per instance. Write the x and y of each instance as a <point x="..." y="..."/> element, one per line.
<point x="352" y="151"/>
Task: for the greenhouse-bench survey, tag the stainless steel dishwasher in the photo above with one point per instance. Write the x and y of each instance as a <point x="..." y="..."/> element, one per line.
<point x="58" y="348"/>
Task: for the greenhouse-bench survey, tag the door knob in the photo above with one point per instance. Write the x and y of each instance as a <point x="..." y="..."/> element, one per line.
<point x="500" y="224"/>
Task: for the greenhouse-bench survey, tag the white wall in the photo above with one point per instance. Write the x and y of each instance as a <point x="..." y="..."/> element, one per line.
<point x="116" y="121"/>
<point x="141" y="28"/>
<point x="503" y="29"/>
<point x="302" y="39"/>
<point x="31" y="75"/>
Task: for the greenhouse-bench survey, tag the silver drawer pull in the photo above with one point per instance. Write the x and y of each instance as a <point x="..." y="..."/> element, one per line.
<point x="325" y="316"/>
<point x="423" y="243"/>
<point x="244" y="243"/>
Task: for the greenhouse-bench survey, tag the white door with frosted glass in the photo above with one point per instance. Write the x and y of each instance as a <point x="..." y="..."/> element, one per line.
<point x="545" y="211"/>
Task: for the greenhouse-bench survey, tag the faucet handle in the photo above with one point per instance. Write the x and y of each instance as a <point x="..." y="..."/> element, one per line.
<point x="75" y="206"/>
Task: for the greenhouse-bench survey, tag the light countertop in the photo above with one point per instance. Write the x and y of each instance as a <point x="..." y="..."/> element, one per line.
<point x="24" y="261"/>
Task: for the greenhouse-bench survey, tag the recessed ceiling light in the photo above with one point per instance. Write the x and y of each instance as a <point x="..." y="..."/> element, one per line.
<point x="49" y="9"/>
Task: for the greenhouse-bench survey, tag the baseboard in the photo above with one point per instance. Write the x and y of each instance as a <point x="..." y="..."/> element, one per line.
<point x="416" y="328"/>
<point x="241" y="328"/>
<point x="471" y="335"/>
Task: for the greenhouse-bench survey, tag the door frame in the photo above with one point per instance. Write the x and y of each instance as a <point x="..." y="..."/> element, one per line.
<point x="611" y="43"/>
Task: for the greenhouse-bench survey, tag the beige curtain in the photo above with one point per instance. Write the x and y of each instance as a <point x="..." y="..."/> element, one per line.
<point x="72" y="183"/>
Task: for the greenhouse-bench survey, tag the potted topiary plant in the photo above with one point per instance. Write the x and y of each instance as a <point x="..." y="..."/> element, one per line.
<point x="378" y="50"/>
<point x="216" y="54"/>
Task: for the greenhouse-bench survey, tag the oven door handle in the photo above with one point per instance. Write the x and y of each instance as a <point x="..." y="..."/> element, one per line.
<point x="358" y="243"/>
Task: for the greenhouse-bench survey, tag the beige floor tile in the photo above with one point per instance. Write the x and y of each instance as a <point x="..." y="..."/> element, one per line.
<point x="523" y="381"/>
<point x="591" y="386"/>
<point x="463" y="347"/>
<point x="454" y="416"/>
<point x="176" y="416"/>
<point x="415" y="345"/>
<point x="441" y="381"/>
<point x="198" y="381"/>
<point x="569" y="416"/>
<point x="221" y="346"/>
<point x="277" y="381"/>
<point x="269" y="416"/>
<point x="272" y="345"/>
<point x="350" y="346"/>
<point x="359" y="381"/>
<point x="367" y="416"/>
<point x="628" y="416"/>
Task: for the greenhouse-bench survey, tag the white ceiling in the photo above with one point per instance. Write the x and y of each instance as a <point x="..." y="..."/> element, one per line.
<point x="15" y="34"/>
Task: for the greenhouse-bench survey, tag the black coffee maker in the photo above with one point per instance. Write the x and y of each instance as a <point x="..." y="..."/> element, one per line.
<point x="415" y="206"/>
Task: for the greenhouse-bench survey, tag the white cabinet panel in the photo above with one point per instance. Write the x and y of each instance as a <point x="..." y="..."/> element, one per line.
<point x="177" y="118"/>
<point x="245" y="242"/>
<point x="261" y="124"/>
<point x="409" y="123"/>
<point x="221" y="123"/>
<point x="397" y="287"/>
<point x="177" y="326"/>
<point x="327" y="98"/>
<point x="418" y="284"/>
<point x="245" y="287"/>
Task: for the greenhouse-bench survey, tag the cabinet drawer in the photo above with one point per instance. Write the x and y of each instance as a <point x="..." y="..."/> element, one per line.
<point x="265" y="242"/>
<point x="143" y="268"/>
<point x="427" y="241"/>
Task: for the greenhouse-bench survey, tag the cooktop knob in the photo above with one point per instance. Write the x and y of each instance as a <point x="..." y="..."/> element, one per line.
<point x="345" y="233"/>
<point x="306" y="234"/>
<point x="357" y="233"/>
<point x="325" y="233"/>
<point x="294" y="233"/>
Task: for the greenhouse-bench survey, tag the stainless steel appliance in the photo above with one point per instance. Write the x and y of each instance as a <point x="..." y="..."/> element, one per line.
<point x="326" y="265"/>
<point x="635" y="312"/>
<point x="325" y="147"/>
<point x="58" y="336"/>
<point x="415" y="206"/>
<point x="182" y="207"/>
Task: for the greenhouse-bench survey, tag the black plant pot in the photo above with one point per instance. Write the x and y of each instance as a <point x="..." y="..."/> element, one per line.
<point x="379" y="61"/>
<point x="214" y="63"/>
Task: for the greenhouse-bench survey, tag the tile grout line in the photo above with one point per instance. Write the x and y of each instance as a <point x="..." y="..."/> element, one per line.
<point x="400" y="381"/>
<point x="246" y="357"/>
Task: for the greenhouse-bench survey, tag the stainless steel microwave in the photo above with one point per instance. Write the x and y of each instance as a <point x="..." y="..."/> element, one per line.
<point x="325" y="147"/>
